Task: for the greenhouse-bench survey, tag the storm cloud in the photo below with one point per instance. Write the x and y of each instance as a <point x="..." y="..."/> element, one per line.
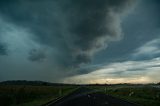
<point x="77" y="29"/>
<point x="36" y="55"/>
<point x="3" y="49"/>
<point x="64" y="34"/>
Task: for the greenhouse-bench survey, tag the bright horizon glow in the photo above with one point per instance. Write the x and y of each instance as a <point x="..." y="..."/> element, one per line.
<point x="147" y="71"/>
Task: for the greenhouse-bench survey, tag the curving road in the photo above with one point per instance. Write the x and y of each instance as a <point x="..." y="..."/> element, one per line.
<point x="87" y="97"/>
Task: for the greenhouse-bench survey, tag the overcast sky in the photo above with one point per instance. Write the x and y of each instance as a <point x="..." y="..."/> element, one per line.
<point x="80" y="41"/>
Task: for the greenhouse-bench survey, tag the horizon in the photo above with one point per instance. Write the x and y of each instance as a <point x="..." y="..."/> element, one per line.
<point x="38" y="81"/>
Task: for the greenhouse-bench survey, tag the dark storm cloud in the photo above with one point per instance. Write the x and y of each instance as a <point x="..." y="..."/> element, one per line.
<point x="92" y="25"/>
<point x="140" y="26"/>
<point x="76" y="28"/>
<point x="36" y="55"/>
<point x="3" y="49"/>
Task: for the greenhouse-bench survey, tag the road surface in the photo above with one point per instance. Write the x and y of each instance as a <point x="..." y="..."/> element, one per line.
<point x="87" y="97"/>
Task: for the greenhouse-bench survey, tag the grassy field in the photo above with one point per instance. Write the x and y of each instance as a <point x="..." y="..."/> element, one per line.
<point x="31" y="95"/>
<point x="20" y="95"/>
<point x="143" y="95"/>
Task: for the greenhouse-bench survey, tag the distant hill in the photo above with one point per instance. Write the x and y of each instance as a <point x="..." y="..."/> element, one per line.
<point x="34" y="83"/>
<point x="43" y="83"/>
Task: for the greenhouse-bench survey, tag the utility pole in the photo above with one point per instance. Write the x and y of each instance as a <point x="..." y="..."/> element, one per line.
<point x="60" y="92"/>
<point x="105" y="88"/>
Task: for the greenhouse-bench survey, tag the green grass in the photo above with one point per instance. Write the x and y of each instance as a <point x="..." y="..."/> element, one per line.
<point x="144" y="95"/>
<point x="18" y="95"/>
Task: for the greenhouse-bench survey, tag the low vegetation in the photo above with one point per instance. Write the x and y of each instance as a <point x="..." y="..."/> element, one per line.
<point x="26" y="93"/>
<point x="31" y="95"/>
<point x="144" y="95"/>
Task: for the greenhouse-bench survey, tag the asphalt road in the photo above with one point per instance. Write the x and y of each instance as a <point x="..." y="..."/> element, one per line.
<point x="87" y="97"/>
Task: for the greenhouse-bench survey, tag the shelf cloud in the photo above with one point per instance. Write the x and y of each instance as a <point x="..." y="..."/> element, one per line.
<point x="77" y="29"/>
<point x="64" y="40"/>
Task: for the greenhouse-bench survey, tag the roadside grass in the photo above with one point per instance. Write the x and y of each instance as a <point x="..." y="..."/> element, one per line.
<point x="21" y="95"/>
<point x="37" y="102"/>
<point x="142" y="95"/>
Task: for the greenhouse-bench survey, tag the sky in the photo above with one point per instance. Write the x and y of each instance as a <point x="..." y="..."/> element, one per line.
<point x="80" y="41"/>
